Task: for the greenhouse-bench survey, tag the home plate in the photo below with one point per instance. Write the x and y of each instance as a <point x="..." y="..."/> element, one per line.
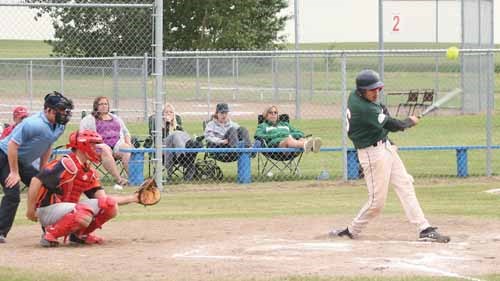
<point x="493" y="191"/>
<point x="279" y="250"/>
<point x="334" y="247"/>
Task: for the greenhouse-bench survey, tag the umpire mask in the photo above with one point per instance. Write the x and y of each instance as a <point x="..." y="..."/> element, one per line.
<point x="61" y="105"/>
<point x="63" y="117"/>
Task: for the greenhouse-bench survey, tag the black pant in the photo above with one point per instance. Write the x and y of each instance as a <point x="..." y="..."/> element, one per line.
<point x="12" y="196"/>
<point x="187" y="160"/>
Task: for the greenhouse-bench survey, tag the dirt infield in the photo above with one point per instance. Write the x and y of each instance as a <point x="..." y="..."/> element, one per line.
<point x="232" y="249"/>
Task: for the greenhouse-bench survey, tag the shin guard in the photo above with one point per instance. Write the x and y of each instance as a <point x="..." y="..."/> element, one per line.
<point x="104" y="215"/>
<point x="79" y="218"/>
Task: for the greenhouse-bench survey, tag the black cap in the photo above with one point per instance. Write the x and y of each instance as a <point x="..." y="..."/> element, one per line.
<point x="222" y="107"/>
<point x="56" y="100"/>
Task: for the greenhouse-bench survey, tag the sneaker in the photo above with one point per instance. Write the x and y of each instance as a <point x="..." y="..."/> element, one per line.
<point x="340" y="233"/>
<point x="308" y="145"/>
<point x="430" y="234"/>
<point x="316" y="145"/>
<point x="2" y="239"/>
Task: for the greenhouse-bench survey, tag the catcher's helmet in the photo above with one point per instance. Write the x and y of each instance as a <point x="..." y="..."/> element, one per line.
<point x="85" y="141"/>
<point x="368" y="80"/>
<point x="57" y="101"/>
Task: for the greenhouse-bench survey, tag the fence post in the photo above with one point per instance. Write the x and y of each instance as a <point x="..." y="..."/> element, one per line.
<point x="297" y="86"/>
<point x="274" y="65"/>
<point x="209" y="89"/>
<point x="311" y="88"/>
<point x="30" y="83"/>
<point x="462" y="169"/>
<point x="236" y="77"/>
<point x="343" y="69"/>
<point x="197" y="77"/>
<point x="244" y="166"/>
<point x="61" y="82"/>
<point x="352" y="164"/>
<point x="490" y="102"/>
<point x="327" y="75"/>
<point x="136" y="168"/>
<point x="144" y="85"/>
<point x="115" y="82"/>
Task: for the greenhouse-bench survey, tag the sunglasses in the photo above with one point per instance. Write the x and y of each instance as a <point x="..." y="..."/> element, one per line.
<point x="272" y="112"/>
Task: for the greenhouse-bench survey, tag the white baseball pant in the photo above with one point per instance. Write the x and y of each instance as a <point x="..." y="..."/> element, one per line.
<point x="381" y="165"/>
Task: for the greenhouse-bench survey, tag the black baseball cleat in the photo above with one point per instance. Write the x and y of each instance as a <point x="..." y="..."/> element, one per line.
<point x="75" y="240"/>
<point x="340" y="233"/>
<point x="430" y="234"/>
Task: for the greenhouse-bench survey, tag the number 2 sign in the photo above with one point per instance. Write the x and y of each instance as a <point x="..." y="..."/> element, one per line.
<point x="395" y="23"/>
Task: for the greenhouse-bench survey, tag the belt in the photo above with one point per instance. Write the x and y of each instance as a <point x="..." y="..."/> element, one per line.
<point x="379" y="142"/>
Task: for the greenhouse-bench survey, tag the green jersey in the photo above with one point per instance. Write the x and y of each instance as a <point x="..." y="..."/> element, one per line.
<point x="366" y="121"/>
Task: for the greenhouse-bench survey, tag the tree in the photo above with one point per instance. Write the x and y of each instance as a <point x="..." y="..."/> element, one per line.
<point x="188" y="25"/>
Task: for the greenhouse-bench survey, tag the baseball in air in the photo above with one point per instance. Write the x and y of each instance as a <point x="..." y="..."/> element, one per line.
<point x="452" y="53"/>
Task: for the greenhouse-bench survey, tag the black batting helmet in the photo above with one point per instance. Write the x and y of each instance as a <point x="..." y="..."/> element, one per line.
<point x="368" y="80"/>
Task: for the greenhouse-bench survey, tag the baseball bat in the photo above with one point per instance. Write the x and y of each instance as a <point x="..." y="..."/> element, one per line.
<point x="440" y="102"/>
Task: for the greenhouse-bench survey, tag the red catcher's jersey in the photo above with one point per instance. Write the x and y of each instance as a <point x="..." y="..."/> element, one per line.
<point x="65" y="179"/>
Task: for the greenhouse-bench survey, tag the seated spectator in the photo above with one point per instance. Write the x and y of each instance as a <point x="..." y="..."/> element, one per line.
<point x="221" y="132"/>
<point x="278" y="133"/>
<point x="174" y="136"/>
<point x="115" y="136"/>
<point x="18" y="115"/>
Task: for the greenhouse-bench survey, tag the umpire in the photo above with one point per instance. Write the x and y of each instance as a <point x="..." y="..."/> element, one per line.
<point x="369" y="124"/>
<point x="30" y="140"/>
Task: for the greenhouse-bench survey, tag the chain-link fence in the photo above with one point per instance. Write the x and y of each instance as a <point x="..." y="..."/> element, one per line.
<point x="449" y="143"/>
<point x="250" y="82"/>
<point x="103" y="50"/>
<point x="124" y="80"/>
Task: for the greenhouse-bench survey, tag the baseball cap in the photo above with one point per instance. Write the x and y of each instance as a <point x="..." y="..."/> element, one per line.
<point x="222" y="107"/>
<point x="20" y="112"/>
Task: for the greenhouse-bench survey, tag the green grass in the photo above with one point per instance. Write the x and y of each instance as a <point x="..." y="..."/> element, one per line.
<point x="24" y="49"/>
<point x="306" y="198"/>
<point x="34" y="48"/>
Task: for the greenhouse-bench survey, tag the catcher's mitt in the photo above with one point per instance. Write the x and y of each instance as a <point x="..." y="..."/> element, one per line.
<point x="148" y="193"/>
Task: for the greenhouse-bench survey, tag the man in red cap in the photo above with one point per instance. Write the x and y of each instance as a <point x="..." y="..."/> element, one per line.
<point x="18" y="115"/>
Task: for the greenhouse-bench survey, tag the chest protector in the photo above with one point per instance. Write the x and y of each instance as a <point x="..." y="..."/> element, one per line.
<point x="84" y="179"/>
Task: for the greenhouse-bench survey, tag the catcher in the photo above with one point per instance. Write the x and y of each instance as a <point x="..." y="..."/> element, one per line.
<point x="54" y="195"/>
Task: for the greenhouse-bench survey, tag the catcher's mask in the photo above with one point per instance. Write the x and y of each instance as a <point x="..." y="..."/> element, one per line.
<point x="61" y="105"/>
<point x="86" y="142"/>
<point x="368" y="80"/>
